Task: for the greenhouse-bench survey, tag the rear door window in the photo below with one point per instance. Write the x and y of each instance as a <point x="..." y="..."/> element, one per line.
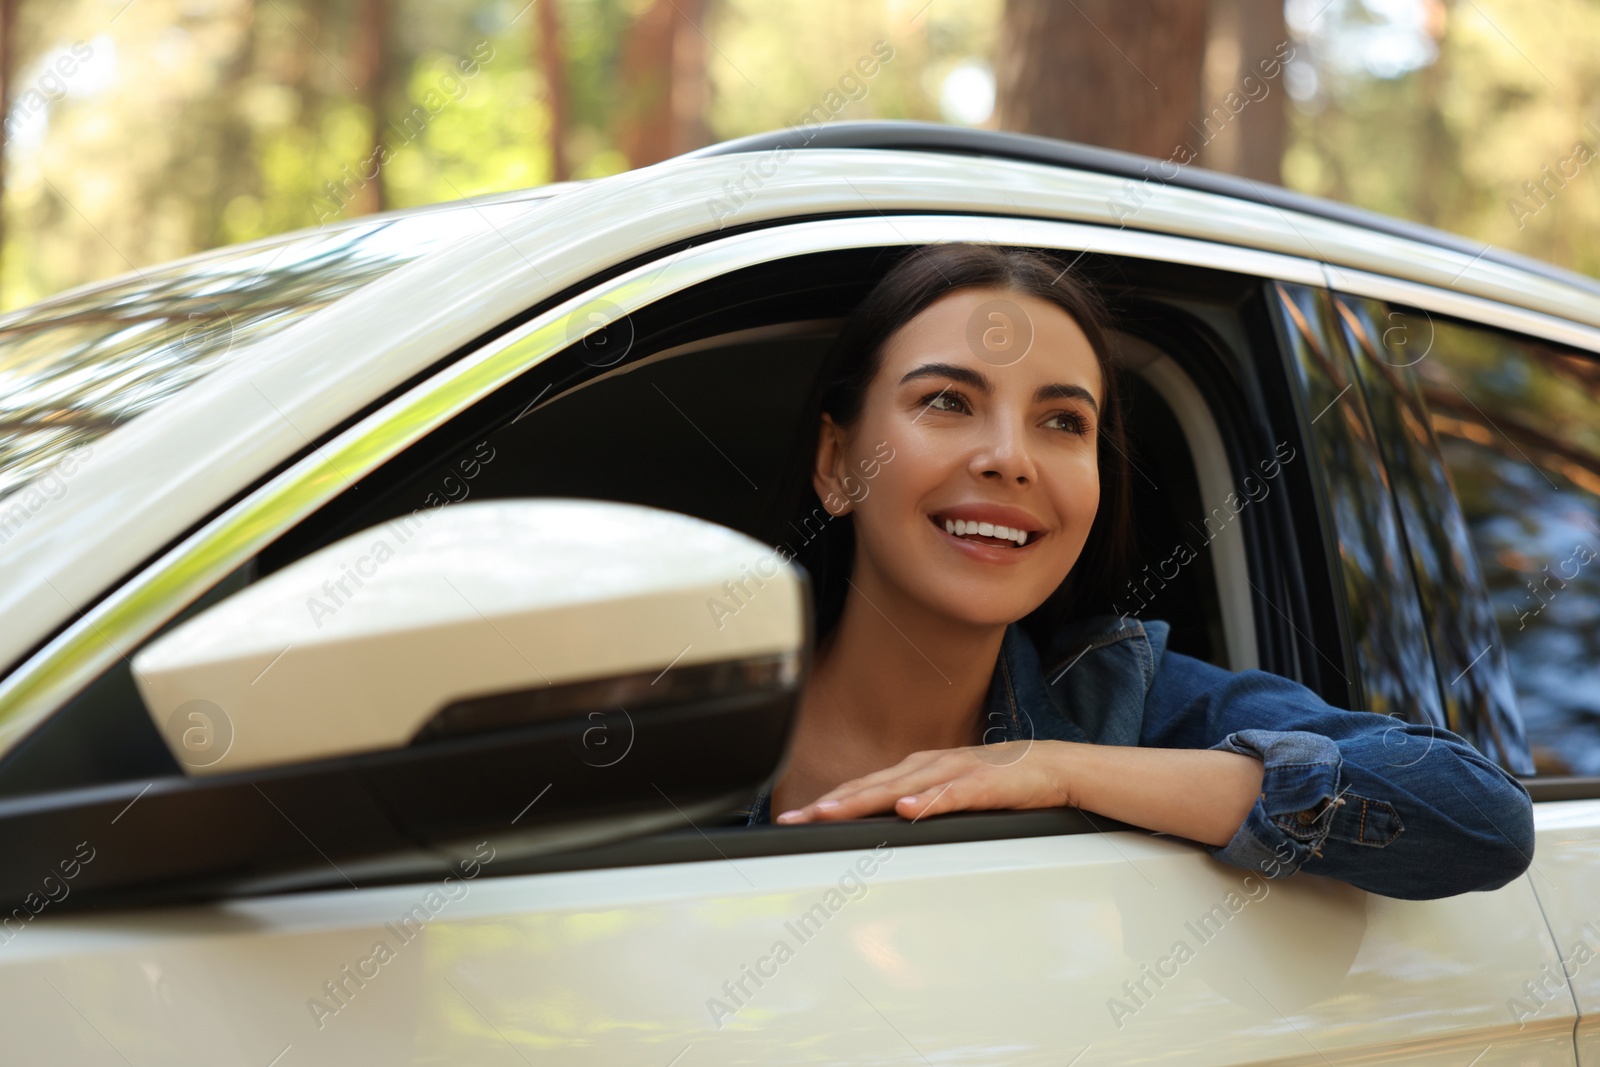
<point x="1518" y="424"/>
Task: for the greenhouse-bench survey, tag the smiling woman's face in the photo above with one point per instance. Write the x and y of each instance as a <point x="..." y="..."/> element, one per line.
<point x="1002" y="452"/>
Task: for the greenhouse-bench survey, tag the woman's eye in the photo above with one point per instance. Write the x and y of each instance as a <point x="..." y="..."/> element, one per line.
<point x="944" y="400"/>
<point x="1070" y="421"/>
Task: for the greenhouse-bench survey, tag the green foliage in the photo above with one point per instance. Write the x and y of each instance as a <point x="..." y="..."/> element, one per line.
<point x="229" y="120"/>
<point x="1462" y="144"/>
<point x="774" y="63"/>
<point x="489" y="136"/>
<point x="236" y="119"/>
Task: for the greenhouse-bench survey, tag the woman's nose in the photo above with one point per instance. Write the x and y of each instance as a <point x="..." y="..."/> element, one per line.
<point x="1004" y="455"/>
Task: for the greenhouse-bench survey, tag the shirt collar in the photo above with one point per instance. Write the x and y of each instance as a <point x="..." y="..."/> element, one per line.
<point x="1020" y="706"/>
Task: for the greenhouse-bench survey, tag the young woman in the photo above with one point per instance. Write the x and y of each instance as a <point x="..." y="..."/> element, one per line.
<point x="971" y="513"/>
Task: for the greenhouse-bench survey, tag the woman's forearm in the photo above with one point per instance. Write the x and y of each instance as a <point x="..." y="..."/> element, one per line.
<point x="1200" y="794"/>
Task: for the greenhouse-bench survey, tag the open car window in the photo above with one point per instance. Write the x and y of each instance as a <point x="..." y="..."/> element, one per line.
<point x="696" y="404"/>
<point x="704" y="411"/>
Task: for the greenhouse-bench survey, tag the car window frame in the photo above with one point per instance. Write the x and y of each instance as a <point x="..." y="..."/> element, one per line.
<point x="148" y="599"/>
<point x="385" y="432"/>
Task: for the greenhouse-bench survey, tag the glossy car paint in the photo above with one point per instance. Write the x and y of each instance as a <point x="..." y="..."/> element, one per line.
<point x="1566" y="860"/>
<point x="996" y="952"/>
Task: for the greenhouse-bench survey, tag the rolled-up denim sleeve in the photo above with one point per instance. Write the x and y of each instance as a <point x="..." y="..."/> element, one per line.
<point x="1400" y="809"/>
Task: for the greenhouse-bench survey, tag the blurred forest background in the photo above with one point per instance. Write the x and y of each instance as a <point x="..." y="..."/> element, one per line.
<point x="137" y="131"/>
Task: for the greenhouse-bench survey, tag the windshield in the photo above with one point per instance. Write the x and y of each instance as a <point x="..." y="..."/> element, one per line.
<point x="77" y="366"/>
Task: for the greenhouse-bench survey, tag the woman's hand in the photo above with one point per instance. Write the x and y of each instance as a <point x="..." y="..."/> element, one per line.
<point x="1201" y="794"/>
<point x="1010" y="775"/>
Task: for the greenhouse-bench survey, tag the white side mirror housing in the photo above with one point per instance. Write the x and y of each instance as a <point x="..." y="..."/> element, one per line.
<point x="360" y="646"/>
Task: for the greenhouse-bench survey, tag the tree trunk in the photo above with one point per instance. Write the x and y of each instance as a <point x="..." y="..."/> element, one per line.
<point x="372" y="74"/>
<point x="553" y="59"/>
<point x="691" y="89"/>
<point x="219" y="133"/>
<point x="1117" y="73"/>
<point x="1242" y="116"/>
<point x="664" y="82"/>
<point x="8" y="60"/>
<point x="1435" y="190"/>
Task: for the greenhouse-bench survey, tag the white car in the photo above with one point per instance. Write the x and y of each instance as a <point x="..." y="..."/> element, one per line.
<point x="360" y="701"/>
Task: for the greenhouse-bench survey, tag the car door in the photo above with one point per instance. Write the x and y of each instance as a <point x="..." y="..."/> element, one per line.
<point x="1509" y="420"/>
<point x="1026" y="937"/>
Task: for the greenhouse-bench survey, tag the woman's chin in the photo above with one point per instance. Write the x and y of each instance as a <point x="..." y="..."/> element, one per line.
<point x="982" y="614"/>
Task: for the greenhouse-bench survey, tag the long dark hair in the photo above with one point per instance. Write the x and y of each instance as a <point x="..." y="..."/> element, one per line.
<point x="825" y="545"/>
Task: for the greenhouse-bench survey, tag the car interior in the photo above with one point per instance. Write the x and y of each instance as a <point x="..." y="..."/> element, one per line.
<point x="703" y="413"/>
<point x="696" y="404"/>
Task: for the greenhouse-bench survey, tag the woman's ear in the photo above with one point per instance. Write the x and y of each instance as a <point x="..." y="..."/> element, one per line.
<point x="825" y="472"/>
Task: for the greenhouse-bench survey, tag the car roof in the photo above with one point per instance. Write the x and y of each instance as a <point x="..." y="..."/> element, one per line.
<point x="960" y="140"/>
<point x="275" y="240"/>
<point x="928" y="137"/>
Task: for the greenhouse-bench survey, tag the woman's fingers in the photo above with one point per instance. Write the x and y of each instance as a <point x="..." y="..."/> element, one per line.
<point x="852" y="800"/>
<point x="920" y="775"/>
<point x="935" y="782"/>
<point x="941" y="789"/>
<point x="915" y="765"/>
<point x="912" y="764"/>
<point x="930" y="801"/>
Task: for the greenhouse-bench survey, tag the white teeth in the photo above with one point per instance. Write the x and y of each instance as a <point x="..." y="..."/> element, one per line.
<point x="965" y="527"/>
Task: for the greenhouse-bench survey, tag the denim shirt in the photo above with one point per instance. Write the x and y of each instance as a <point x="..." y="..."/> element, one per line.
<point x="1390" y="807"/>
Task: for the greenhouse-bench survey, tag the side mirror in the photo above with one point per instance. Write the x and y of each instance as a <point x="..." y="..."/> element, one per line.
<point x="476" y="618"/>
<point x="529" y="676"/>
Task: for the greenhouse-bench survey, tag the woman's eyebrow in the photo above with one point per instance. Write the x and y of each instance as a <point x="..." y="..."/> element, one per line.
<point x="1065" y="392"/>
<point x="964" y="375"/>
